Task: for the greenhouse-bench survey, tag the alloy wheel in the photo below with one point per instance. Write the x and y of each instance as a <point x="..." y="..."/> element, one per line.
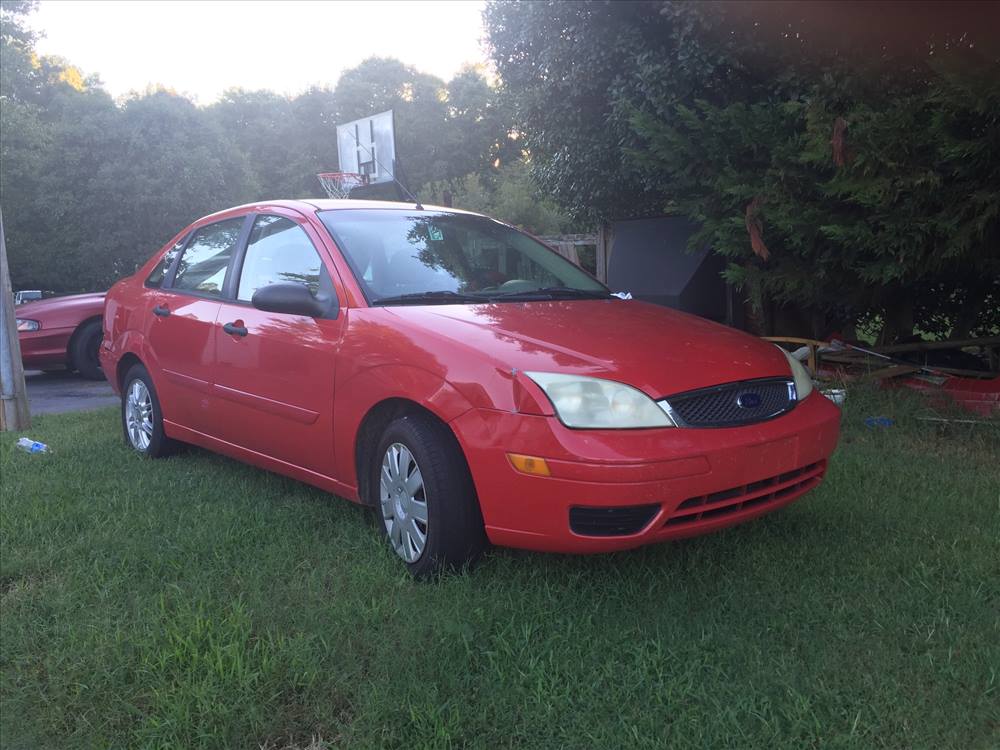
<point x="139" y="416"/>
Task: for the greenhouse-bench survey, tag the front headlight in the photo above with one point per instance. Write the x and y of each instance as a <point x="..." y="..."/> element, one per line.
<point x="581" y="401"/>
<point x="803" y="383"/>
<point x="23" y="324"/>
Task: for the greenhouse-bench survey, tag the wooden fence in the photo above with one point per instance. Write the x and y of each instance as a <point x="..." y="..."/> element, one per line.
<point x="569" y="245"/>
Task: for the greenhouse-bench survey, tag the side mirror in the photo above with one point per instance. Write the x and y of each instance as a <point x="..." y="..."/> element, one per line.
<point x="294" y="299"/>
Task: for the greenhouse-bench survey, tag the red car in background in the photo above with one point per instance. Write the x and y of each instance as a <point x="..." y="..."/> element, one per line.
<point x="62" y="332"/>
<point x="458" y="377"/>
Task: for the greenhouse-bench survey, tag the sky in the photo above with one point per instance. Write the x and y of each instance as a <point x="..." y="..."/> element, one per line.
<point x="200" y="48"/>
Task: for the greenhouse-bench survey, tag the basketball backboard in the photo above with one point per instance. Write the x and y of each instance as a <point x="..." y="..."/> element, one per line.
<point x="368" y="147"/>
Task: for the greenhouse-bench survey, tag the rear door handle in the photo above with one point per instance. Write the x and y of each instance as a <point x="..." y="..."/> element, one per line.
<point x="161" y="311"/>
<point x="234" y="330"/>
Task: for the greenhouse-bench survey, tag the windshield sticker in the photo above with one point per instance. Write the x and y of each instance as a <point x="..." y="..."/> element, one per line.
<point x="434" y="233"/>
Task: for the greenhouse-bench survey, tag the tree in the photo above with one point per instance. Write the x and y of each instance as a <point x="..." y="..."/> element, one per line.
<point x="559" y="63"/>
<point x="832" y="166"/>
<point x="479" y="133"/>
<point x="266" y="129"/>
<point x="443" y="131"/>
<point x="171" y="165"/>
<point x="509" y="194"/>
<point x="17" y="43"/>
<point x="418" y="104"/>
<point x="91" y="187"/>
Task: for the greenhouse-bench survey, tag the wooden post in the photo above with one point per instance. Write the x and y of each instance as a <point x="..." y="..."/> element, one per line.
<point x="603" y="250"/>
<point x="568" y="251"/>
<point x="14" y="414"/>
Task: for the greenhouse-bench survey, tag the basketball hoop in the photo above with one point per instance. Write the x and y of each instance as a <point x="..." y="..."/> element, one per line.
<point x="340" y="184"/>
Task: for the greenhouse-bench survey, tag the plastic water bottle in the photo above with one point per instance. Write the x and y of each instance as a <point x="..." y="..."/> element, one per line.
<point x="32" y="446"/>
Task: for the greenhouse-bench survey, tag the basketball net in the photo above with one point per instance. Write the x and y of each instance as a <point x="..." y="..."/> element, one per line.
<point x="340" y="184"/>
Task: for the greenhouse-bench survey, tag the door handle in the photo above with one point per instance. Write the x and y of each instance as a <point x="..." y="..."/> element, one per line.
<point x="234" y="330"/>
<point x="161" y="311"/>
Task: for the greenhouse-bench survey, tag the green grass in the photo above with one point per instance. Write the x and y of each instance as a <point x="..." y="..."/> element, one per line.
<point x="199" y="603"/>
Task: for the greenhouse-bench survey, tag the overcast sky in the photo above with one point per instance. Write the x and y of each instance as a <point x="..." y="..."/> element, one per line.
<point x="201" y="47"/>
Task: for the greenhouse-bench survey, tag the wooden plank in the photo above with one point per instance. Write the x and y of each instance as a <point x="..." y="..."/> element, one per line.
<point x="960" y="372"/>
<point x="922" y="346"/>
<point x="576" y="239"/>
<point x="893" y="371"/>
<point x="568" y="251"/>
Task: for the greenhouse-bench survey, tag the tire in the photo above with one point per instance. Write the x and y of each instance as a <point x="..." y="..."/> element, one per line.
<point x="140" y="404"/>
<point x="444" y="510"/>
<point x="83" y="350"/>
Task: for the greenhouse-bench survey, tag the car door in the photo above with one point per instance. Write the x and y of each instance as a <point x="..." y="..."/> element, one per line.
<point x="180" y="321"/>
<point x="274" y="372"/>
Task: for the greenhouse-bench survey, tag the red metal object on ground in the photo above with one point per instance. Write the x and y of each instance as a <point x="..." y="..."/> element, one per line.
<point x="978" y="395"/>
<point x="66" y="332"/>
<point x="297" y="394"/>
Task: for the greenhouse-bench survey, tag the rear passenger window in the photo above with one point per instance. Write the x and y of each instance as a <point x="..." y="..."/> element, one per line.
<point x="280" y="252"/>
<point x="202" y="268"/>
<point x="155" y="278"/>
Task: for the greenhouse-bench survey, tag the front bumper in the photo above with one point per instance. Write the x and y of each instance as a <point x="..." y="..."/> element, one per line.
<point x="44" y="348"/>
<point x="692" y="481"/>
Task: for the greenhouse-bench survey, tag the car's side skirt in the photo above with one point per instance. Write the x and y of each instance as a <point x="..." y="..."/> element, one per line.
<point x="329" y="484"/>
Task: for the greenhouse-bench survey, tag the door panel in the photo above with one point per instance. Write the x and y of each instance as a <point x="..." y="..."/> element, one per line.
<point x="274" y="372"/>
<point x="183" y="354"/>
<point x="274" y="386"/>
<point x="180" y="322"/>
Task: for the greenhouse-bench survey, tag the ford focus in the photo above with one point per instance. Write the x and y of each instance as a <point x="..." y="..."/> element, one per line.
<point x="460" y="378"/>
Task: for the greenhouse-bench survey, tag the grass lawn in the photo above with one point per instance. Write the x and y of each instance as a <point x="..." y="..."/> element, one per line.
<point x="199" y="603"/>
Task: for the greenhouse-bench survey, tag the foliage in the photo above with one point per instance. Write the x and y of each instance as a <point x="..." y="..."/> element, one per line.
<point x="16" y="49"/>
<point x="91" y="187"/>
<point x="509" y="195"/>
<point x="557" y="62"/>
<point x="445" y="131"/>
<point x="851" y="178"/>
<point x="199" y="603"/>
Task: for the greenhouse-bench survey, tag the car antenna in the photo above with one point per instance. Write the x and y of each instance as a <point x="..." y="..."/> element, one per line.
<point x="381" y="166"/>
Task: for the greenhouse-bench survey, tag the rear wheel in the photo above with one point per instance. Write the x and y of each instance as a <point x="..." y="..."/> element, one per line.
<point x="426" y="501"/>
<point x="84" y="348"/>
<point x="142" y="420"/>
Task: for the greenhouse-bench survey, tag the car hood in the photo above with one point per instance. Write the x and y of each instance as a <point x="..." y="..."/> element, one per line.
<point x="660" y="350"/>
<point x="43" y="307"/>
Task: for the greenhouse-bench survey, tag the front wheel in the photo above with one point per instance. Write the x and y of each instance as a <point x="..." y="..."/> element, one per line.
<point x="142" y="419"/>
<point x="84" y="348"/>
<point x="427" y="505"/>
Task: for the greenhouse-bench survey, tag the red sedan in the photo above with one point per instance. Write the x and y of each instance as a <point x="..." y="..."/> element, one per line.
<point x="460" y="378"/>
<point x="62" y="332"/>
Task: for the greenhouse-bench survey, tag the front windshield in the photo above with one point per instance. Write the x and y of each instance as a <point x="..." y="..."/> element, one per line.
<point x="409" y="256"/>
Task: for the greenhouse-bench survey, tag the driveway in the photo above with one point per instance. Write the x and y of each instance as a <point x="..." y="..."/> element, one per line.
<point x="57" y="392"/>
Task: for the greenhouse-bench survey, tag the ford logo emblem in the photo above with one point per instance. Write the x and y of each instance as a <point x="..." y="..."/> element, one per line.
<point x="748" y="400"/>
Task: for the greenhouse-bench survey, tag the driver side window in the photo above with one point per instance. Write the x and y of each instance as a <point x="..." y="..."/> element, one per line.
<point x="280" y="252"/>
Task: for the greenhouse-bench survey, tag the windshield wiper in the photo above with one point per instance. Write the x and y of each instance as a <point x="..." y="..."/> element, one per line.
<point x="552" y="292"/>
<point x="445" y="297"/>
<point x="420" y="298"/>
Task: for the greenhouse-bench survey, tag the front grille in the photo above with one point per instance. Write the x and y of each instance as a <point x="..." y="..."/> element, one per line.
<point x="759" y="494"/>
<point x="732" y="404"/>
<point x="620" y="521"/>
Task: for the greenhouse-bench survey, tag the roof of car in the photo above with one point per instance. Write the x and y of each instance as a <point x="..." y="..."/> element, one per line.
<point x="334" y="204"/>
